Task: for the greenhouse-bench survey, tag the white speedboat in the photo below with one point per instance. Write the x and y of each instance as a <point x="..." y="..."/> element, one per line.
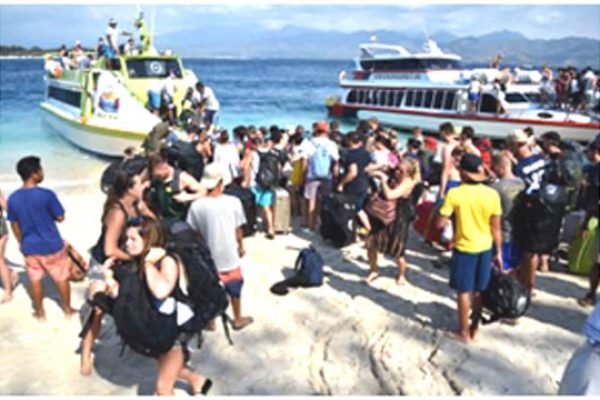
<point x="425" y="89"/>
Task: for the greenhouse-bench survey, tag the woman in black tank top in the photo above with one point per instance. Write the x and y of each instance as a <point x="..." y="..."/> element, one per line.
<point x="123" y="204"/>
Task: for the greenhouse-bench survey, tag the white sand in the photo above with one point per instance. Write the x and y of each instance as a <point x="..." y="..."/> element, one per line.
<point x="342" y="338"/>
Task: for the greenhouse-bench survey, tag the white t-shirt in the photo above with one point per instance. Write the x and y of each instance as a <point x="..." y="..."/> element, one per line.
<point x="474" y="87"/>
<point x="113" y="34"/>
<point x="308" y="149"/>
<point x="211" y="100"/>
<point x="169" y="86"/>
<point x="229" y="158"/>
<point x="216" y="218"/>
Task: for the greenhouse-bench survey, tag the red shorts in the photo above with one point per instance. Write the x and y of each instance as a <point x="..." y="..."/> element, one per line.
<point x="56" y="265"/>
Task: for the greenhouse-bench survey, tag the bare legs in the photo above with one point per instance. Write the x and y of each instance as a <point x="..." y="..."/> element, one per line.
<point x="374" y="268"/>
<point x="8" y="276"/>
<point x="88" y="342"/>
<point x="527" y="270"/>
<point x="171" y="368"/>
<point x="590" y="297"/>
<point x="239" y="322"/>
<point x="467" y="332"/>
<point x="268" y="213"/>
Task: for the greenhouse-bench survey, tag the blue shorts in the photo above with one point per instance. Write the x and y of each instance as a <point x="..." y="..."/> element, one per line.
<point x="360" y="201"/>
<point x="154" y="100"/>
<point x="473" y="96"/>
<point x="211" y="117"/>
<point x="470" y="272"/>
<point x="511" y="255"/>
<point x="264" y="197"/>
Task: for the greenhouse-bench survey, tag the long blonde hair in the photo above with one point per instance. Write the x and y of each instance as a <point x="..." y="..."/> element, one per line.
<point x="413" y="169"/>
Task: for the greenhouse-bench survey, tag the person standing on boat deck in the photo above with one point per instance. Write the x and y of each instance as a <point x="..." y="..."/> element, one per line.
<point x="474" y="94"/>
<point x="112" y="39"/>
<point x="33" y="212"/>
<point x="167" y="95"/>
<point x="212" y="106"/>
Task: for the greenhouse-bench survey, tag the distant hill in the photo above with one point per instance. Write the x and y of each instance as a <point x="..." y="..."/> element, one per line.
<point x="299" y="42"/>
<point x="213" y="39"/>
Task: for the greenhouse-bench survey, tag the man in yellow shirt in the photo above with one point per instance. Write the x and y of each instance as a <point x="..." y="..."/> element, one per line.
<point x="477" y="213"/>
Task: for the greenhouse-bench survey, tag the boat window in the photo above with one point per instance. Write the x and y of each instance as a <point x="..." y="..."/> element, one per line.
<point x="419" y="98"/>
<point x="352" y="97"/>
<point x="390" y="98"/>
<point x="438" y="99"/>
<point x="399" y="97"/>
<point x="428" y="98"/>
<point x="409" y="64"/>
<point x="533" y="97"/>
<point x="409" y="98"/>
<point x="361" y="96"/>
<point x="515" y="97"/>
<point x="152" y="68"/>
<point x="69" y="97"/>
<point x="449" y="101"/>
<point x="488" y="104"/>
<point x="382" y="98"/>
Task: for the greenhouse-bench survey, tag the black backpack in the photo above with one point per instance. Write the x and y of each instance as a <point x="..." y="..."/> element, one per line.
<point x="338" y="219"/>
<point x="268" y="170"/>
<point x="505" y="297"/>
<point x="139" y="324"/>
<point x="206" y="295"/>
<point x="160" y="198"/>
<point x="183" y="156"/>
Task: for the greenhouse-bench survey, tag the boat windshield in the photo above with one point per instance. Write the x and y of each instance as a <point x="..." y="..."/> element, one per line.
<point x="153" y="67"/>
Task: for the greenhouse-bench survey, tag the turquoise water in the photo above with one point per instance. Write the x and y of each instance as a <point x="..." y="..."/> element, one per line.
<point x="258" y="92"/>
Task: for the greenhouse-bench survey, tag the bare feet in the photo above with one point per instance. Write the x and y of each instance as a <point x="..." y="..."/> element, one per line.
<point x="473" y="332"/>
<point x="6" y="297"/>
<point x="14" y="279"/>
<point x="241" y="323"/>
<point x="69" y="312"/>
<point x="586" y="301"/>
<point x="400" y="280"/>
<point x="371" y="277"/>
<point x="86" y="366"/>
<point x="459" y="337"/>
<point x="40" y="315"/>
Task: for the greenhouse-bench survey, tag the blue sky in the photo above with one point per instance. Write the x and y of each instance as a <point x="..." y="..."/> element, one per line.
<point x="50" y="25"/>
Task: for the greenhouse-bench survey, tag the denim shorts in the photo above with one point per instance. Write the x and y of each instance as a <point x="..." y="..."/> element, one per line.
<point x="470" y="272"/>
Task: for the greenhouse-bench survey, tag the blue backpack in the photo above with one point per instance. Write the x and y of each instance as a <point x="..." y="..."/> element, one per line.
<point x="320" y="162"/>
<point x="309" y="268"/>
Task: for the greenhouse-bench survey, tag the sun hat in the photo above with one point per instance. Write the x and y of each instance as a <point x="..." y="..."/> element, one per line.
<point x="212" y="176"/>
<point x="518" y="136"/>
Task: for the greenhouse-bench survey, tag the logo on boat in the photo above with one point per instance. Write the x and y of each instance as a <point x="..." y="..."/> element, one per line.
<point x="109" y="102"/>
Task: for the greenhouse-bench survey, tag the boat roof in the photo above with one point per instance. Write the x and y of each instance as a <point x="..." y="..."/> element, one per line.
<point x="382" y="51"/>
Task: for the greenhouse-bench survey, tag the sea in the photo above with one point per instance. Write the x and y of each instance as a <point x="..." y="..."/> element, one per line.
<point x="260" y="92"/>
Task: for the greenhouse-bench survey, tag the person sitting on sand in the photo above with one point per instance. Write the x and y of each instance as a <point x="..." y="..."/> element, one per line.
<point x="33" y="212"/>
<point x="123" y="205"/>
<point x="145" y="247"/>
<point x="478" y="211"/>
<point x="8" y="277"/>
<point x="391" y="239"/>
<point x="219" y="219"/>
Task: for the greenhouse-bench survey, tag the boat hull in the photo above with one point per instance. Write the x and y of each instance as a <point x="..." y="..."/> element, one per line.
<point x="102" y="141"/>
<point x="492" y="126"/>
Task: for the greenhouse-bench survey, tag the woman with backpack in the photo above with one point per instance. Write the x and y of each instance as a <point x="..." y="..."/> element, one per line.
<point x="389" y="232"/>
<point x="123" y="204"/>
<point x="160" y="272"/>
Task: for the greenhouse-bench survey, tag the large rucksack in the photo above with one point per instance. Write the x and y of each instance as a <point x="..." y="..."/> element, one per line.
<point x="505" y="297"/>
<point x="139" y="324"/>
<point x="205" y="295"/>
<point x="320" y="162"/>
<point x="572" y="162"/>
<point x="248" y="201"/>
<point x="160" y="198"/>
<point x="268" y="170"/>
<point x="183" y="155"/>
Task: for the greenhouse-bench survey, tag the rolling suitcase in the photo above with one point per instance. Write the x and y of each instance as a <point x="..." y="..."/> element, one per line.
<point x="248" y="204"/>
<point x="338" y="219"/>
<point x="583" y="253"/>
<point x="283" y="211"/>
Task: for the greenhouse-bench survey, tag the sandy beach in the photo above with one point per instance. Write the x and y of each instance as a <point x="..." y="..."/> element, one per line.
<point x="344" y="338"/>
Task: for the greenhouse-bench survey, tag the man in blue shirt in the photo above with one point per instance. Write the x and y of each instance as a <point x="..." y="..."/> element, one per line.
<point x="33" y="212"/>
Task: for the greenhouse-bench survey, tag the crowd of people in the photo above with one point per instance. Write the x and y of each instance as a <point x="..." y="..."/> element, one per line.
<point x="495" y="208"/>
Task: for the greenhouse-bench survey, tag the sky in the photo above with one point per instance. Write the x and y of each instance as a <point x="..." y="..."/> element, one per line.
<point x="48" y="25"/>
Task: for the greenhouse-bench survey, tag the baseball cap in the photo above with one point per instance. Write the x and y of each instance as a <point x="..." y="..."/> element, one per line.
<point x="212" y="176"/>
<point x="518" y="136"/>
